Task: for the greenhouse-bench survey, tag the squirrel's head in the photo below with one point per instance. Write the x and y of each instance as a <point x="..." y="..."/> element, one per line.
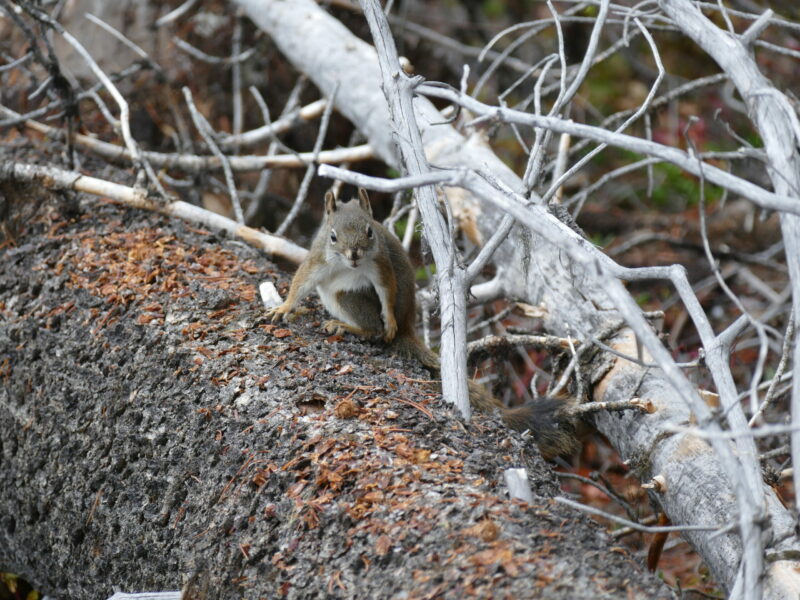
<point x="350" y="229"/>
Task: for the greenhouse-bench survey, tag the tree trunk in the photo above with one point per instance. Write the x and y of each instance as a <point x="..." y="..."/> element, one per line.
<point x="159" y="434"/>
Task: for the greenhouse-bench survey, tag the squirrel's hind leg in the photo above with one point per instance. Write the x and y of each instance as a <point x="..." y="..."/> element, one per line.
<point x="359" y="312"/>
<point x="337" y="327"/>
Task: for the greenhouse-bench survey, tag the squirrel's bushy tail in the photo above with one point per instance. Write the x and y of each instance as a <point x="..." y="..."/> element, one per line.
<point x="550" y="422"/>
<point x="548" y="419"/>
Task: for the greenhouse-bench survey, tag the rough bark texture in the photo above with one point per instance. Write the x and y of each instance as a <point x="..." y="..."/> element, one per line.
<point x="537" y="270"/>
<point x="159" y="433"/>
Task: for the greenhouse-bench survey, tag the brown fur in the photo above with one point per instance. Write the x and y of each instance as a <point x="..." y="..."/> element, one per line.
<point x="361" y="314"/>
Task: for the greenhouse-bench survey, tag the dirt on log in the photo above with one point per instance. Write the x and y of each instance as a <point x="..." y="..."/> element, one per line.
<point x="159" y="433"/>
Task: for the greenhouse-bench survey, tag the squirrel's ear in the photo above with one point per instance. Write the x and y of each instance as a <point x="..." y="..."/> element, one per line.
<point x="330" y="202"/>
<point x="363" y="201"/>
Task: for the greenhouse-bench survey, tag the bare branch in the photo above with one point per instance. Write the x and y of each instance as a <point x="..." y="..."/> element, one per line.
<point x="59" y="179"/>
<point x="450" y="277"/>
<point x="717" y="176"/>
<point x="301" y="193"/>
<point x="176" y="14"/>
<point x="493" y="342"/>
<point x="205" y="130"/>
<point x="631" y="524"/>
<point x="270" y="130"/>
<point x="198" y="164"/>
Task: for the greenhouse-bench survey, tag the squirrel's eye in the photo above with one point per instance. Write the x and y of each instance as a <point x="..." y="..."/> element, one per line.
<point x="333" y="236"/>
<point x="369" y="232"/>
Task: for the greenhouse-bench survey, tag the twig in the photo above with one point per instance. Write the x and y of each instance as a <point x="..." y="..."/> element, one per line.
<point x="663" y="100"/>
<point x="788" y="346"/>
<point x="782" y="451"/>
<point x="560" y="166"/>
<point x="388" y="186"/>
<point x="398" y="210"/>
<point x="486" y="253"/>
<point x="17" y="62"/>
<point x="309" y="174"/>
<point x="213" y="60"/>
<point x="724" y="342"/>
<point x="176" y="14"/>
<point x="199" y="164"/>
<point x="65" y="102"/>
<point x="505" y="56"/>
<point x="59" y="179"/>
<point x="757" y="27"/>
<point x="736" y="434"/>
<point x="176" y="595"/>
<point x="124" y="109"/>
<point x="421" y="408"/>
<point x="624" y="531"/>
<point x="282" y="125"/>
<point x="565" y="94"/>
<point x="756" y="194"/>
<point x="641" y="110"/>
<point x="411" y="225"/>
<point x="399" y="90"/>
<point x="264" y="177"/>
<point x="135" y="47"/>
<point x="589" y="408"/>
<point x="631" y="524"/>
<point x="607" y="490"/>
<point x="495" y="342"/>
<point x="236" y="73"/>
<point x="499" y="316"/>
<point x="206" y="132"/>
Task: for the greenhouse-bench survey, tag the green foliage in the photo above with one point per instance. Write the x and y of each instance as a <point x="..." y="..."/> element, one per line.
<point x="754" y="139"/>
<point x="601" y="239"/>
<point x="602" y="89"/>
<point x="400" y="229"/>
<point x="677" y="190"/>
<point x="493" y="8"/>
<point x="589" y="11"/>
<point x="422" y="273"/>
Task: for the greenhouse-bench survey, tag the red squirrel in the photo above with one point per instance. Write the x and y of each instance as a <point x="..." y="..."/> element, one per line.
<point x="365" y="280"/>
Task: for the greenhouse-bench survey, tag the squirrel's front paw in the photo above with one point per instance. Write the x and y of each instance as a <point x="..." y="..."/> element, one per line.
<point x="278" y="313"/>
<point x="391" y="330"/>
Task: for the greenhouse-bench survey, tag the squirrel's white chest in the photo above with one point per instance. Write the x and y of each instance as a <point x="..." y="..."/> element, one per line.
<point x="344" y="279"/>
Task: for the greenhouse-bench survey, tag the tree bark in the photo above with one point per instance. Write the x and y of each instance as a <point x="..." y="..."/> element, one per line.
<point x="160" y="434"/>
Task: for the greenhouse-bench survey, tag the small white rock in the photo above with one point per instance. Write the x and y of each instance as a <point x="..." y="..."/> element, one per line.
<point x="269" y="294"/>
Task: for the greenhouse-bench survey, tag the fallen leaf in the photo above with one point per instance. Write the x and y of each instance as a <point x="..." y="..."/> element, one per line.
<point x="346" y="409"/>
<point x="487" y="530"/>
<point x="382" y="545"/>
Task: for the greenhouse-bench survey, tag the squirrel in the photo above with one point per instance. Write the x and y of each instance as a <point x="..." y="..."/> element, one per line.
<point x="365" y="280"/>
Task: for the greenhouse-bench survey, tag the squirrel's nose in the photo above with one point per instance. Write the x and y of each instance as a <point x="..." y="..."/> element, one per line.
<point x="353" y="255"/>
